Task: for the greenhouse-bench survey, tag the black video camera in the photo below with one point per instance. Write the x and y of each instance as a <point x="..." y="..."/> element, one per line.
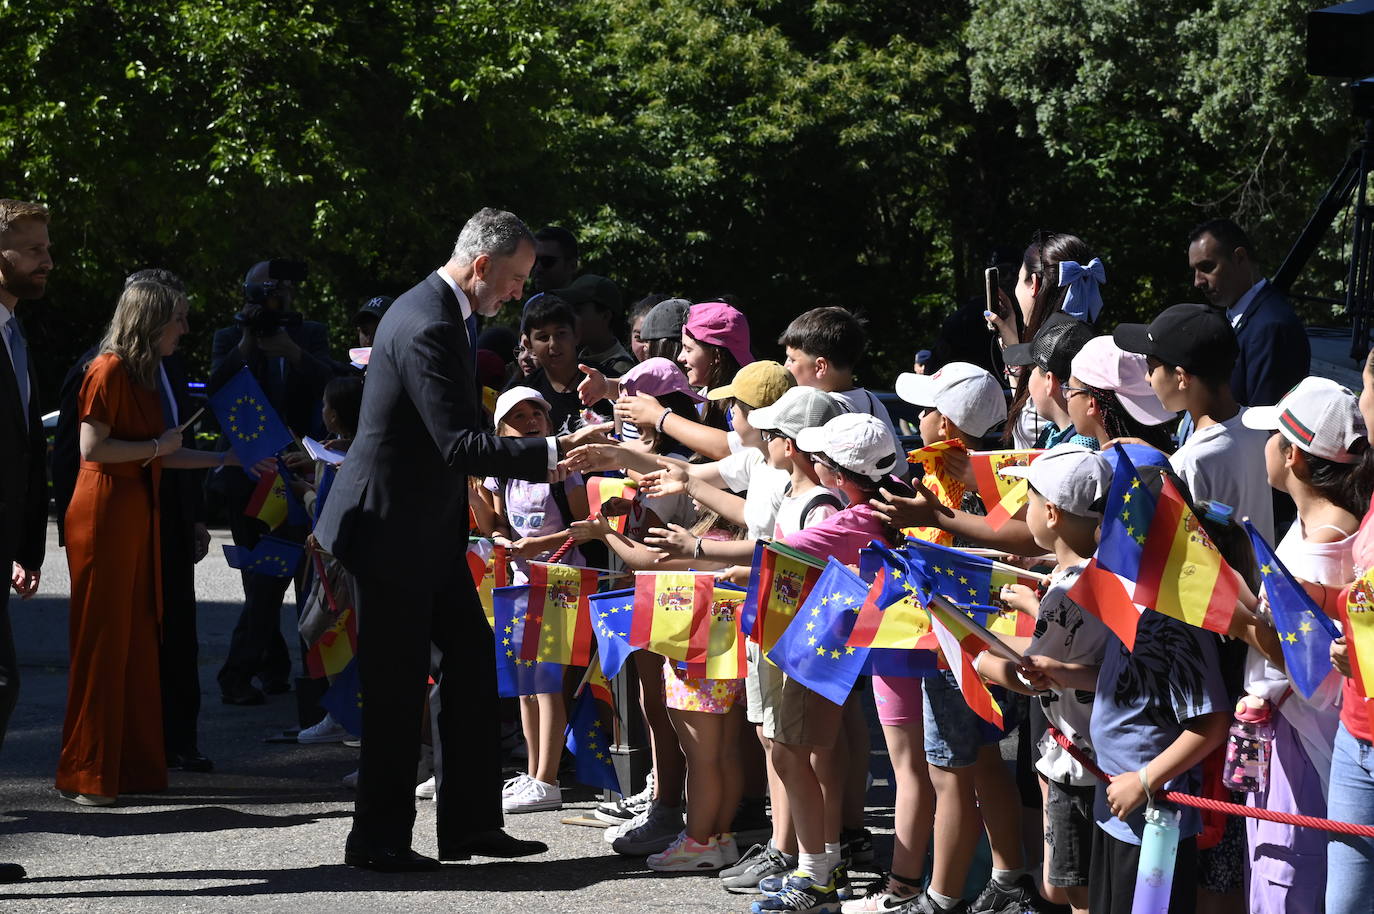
<point x="267" y="303"/>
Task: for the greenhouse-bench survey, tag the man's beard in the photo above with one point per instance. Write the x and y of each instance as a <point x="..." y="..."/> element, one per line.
<point x="24" y="286"/>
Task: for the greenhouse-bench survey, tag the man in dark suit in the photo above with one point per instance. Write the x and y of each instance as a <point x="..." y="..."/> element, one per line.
<point x="1274" y="351"/>
<point x="185" y="541"/>
<point x="397" y="518"/>
<point x="25" y="261"/>
<point x="292" y="364"/>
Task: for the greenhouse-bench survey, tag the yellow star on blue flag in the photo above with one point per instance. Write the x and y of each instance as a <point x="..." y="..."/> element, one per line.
<point x="249" y="422"/>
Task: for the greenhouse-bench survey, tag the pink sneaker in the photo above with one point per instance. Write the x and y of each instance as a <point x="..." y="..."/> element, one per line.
<point x="685" y="855"/>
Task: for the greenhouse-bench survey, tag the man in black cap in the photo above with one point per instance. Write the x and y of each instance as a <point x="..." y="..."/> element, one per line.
<point x="366" y="319"/>
<point x="1049" y="358"/>
<point x="1192" y="350"/>
<point x="596" y="302"/>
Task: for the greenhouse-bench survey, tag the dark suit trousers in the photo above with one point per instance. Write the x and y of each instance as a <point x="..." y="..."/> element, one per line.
<point x="256" y="647"/>
<point x="398" y="623"/>
<point x="9" y="664"/>
<point x="178" y="661"/>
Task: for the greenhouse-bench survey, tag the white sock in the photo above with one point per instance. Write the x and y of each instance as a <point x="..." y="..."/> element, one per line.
<point x="832" y="855"/>
<point x="1007" y="878"/>
<point x="814" y="865"/>
<point x="944" y="901"/>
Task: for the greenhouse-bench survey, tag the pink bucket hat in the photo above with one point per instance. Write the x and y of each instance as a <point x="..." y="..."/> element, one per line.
<point x="719" y="324"/>
<point x="657" y="377"/>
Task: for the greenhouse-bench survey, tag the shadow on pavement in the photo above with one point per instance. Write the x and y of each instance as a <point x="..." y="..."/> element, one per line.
<point x="101" y="824"/>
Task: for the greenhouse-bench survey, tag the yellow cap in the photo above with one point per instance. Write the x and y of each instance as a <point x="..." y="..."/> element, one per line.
<point x="756" y="384"/>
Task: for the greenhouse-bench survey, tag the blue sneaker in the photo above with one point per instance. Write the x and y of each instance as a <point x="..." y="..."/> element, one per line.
<point x="800" y="895"/>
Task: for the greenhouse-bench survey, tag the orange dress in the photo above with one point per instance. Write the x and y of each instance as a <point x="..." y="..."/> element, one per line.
<point x="112" y="734"/>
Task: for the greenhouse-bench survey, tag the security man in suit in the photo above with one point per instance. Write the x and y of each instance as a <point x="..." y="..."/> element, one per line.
<point x="289" y="358"/>
<point x="397" y="518"/>
<point x="25" y="261"/>
<point x="185" y="541"/>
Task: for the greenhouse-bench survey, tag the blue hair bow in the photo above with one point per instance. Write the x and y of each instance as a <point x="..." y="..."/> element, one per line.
<point x="1084" y="300"/>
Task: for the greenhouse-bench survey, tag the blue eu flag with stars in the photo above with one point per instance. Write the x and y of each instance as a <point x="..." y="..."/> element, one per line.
<point x="588" y="738"/>
<point x="612" y="613"/>
<point x="276" y="558"/>
<point x="249" y="422"/>
<point x="1305" y="632"/>
<point x="814" y="649"/>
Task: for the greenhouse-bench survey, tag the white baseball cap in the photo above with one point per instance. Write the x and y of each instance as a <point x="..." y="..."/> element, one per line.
<point x="856" y="441"/>
<point x="1069" y="476"/>
<point x="1319" y="416"/>
<point x="1101" y="363"/>
<point x="799" y="408"/>
<point x="969" y="396"/>
<point x="508" y="400"/>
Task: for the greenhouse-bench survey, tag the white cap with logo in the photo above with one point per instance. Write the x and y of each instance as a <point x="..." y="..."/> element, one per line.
<point x="967" y="395"/>
<point x="1071" y="477"/>
<point x="516" y="395"/>
<point x="1318" y="415"/>
<point x="856" y="441"/>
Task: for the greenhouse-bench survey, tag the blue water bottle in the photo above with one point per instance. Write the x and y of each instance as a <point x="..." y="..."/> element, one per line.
<point x="1154" y="880"/>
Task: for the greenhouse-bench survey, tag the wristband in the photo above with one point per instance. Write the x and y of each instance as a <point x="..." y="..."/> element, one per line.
<point x="1145" y="781"/>
<point x="155" y="449"/>
<point x="658" y="426"/>
<point x="697" y="551"/>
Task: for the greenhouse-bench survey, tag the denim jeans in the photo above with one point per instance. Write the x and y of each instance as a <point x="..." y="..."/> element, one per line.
<point x="1350" y="860"/>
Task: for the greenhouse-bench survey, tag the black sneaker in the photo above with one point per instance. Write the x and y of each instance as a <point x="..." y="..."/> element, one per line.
<point x="856" y="846"/>
<point x="751" y="822"/>
<point x="800" y="895"/>
<point x="997" y="899"/>
<point x="924" y="904"/>
<point x="757" y="864"/>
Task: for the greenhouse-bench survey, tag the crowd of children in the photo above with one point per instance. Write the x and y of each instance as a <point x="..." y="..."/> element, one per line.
<point x="723" y="450"/>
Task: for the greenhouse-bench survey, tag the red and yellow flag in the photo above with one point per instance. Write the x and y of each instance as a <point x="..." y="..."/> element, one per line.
<point x="269" y="503"/>
<point x="559" y="626"/>
<point x="672" y="614"/>
<point x="1181" y="572"/>
<point x="779" y="585"/>
<point x="1003" y="496"/>
<point x="602" y="488"/>
<point x="901" y="625"/>
<point x="725" y="644"/>
<point x="479" y="558"/>
<point x="947" y="488"/>
<point x="1359" y="632"/>
<point x="960" y="642"/>
<point x="336" y="647"/>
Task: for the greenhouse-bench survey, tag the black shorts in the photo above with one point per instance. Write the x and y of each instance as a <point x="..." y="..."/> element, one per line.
<point x="1112" y="887"/>
<point x="1069" y="831"/>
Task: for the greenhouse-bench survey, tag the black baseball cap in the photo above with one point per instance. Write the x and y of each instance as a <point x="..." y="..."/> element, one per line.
<point x="1054" y="346"/>
<point x="1197" y="338"/>
<point x="374" y="308"/>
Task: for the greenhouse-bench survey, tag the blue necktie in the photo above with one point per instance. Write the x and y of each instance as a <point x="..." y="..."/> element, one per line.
<point x="19" y="357"/>
<point x="472" y="340"/>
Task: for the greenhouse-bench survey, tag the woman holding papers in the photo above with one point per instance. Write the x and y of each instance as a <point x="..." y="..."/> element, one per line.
<point x="112" y="735"/>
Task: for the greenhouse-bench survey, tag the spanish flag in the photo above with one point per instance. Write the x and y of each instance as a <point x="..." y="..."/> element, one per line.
<point x="1359" y="632"/>
<point x="559" y="627"/>
<point x="673" y="614"/>
<point x="901" y="625"/>
<point x="1002" y="496"/>
<point x="479" y="556"/>
<point x="778" y="584"/>
<point x="336" y="647"/>
<point x="960" y="642"/>
<point x="1181" y="572"/>
<point x="947" y="488"/>
<point x="725" y="657"/>
<point x="602" y="488"/>
<point x="269" y="503"/>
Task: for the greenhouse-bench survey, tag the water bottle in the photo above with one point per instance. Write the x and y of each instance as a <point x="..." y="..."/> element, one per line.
<point x="1154" y="879"/>
<point x="1248" y="746"/>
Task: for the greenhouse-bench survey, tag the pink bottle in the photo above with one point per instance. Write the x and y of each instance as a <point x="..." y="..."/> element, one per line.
<point x="1248" y="746"/>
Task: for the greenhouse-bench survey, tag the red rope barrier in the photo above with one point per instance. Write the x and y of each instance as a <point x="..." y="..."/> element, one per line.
<point x="1231" y="809"/>
<point x="562" y="550"/>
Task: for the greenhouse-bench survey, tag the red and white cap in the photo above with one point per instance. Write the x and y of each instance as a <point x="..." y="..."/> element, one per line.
<point x="1319" y="416"/>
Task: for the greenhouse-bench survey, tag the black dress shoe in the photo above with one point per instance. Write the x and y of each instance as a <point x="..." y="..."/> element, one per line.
<point x="402" y="861"/>
<point x="243" y="696"/>
<point x="11" y="872"/>
<point x="189" y="761"/>
<point x="493" y="843"/>
<point x="276" y="686"/>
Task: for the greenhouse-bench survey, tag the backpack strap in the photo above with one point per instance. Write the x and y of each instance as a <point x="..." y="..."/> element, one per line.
<point x="821" y="498"/>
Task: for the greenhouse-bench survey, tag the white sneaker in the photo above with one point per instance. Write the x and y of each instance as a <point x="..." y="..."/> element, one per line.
<point x="327" y="730"/>
<point x="534" y="796"/>
<point x="426" y="790"/>
<point x="656" y="833"/>
<point x="638" y="819"/>
<point x="687" y="856"/>
<point x="729" y="850"/>
<point x="513" y="785"/>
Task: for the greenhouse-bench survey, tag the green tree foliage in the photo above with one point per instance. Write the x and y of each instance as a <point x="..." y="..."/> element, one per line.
<point x="788" y="154"/>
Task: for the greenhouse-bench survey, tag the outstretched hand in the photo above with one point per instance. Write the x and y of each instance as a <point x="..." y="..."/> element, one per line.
<point x="593" y="387"/>
<point x="674" y="541"/>
<point x="901" y="512"/>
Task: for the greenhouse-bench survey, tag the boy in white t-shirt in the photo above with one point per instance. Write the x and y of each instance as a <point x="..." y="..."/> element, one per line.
<point x="1190" y="350"/>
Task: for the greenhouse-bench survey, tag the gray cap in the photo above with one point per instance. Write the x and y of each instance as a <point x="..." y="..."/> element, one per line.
<point x="798" y="408"/>
<point x="665" y="319"/>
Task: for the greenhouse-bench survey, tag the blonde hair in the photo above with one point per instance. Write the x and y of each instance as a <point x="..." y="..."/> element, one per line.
<point x="143" y="311"/>
<point x="11" y="211"/>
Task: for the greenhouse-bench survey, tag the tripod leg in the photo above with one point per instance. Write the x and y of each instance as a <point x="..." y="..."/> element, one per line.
<point x="1331" y="203"/>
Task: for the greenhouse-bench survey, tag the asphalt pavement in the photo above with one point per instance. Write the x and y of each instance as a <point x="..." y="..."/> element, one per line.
<point x="265" y="831"/>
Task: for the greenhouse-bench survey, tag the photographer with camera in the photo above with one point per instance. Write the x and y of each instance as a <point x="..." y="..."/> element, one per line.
<point x="289" y="358"/>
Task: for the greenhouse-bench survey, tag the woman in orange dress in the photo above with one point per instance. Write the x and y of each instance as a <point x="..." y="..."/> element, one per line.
<point x="112" y="735"/>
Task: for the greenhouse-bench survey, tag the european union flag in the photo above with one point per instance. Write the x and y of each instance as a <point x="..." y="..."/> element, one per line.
<point x="814" y="649"/>
<point x="961" y="577"/>
<point x="1305" y="632"/>
<point x="516" y="677"/>
<point x="588" y="738"/>
<point x="898" y="580"/>
<point x="247" y="418"/>
<point x="344" y="700"/>
<point x="1126" y="520"/>
<point x="276" y="558"/>
<point x="612" y="613"/>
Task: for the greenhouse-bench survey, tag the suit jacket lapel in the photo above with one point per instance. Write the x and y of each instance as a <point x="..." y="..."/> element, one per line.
<point x="9" y="389"/>
<point x="455" y="313"/>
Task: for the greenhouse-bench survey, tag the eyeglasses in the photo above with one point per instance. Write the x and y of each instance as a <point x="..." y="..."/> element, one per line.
<point x="1070" y="391"/>
<point x="770" y="435"/>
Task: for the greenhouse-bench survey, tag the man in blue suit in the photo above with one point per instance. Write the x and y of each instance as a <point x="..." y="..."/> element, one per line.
<point x="1274" y="352"/>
